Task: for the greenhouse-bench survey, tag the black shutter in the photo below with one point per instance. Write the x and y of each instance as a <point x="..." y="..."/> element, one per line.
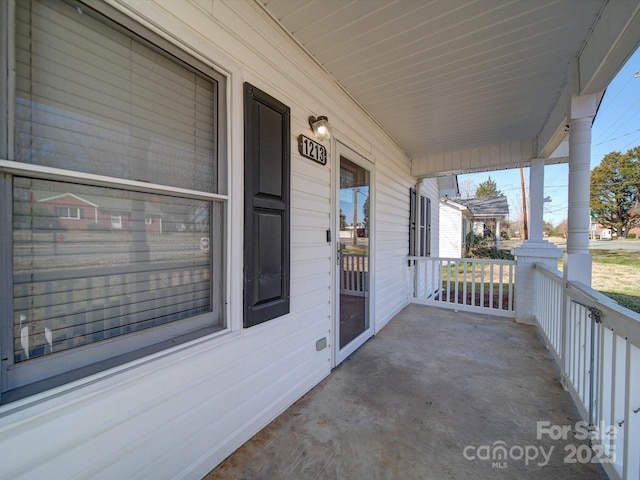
<point x="428" y="253"/>
<point x="412" y="222"/>
<point x="266" y="213"/>
<point x="425" y="226"/>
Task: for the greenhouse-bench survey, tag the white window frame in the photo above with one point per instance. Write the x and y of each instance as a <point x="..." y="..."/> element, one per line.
<point x="9" y="168"/>
<point x="116" y="222"/>
<point x="68" y="215"/>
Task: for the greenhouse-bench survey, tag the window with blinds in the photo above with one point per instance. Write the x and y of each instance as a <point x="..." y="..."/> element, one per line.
<point x="95" y="261"/>
<point x="92" y="99"/>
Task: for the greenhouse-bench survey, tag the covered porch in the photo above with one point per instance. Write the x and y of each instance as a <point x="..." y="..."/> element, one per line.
<point x="454" y="388"/>
<point x="435" y="395"/>
<point x="414" y="92"/>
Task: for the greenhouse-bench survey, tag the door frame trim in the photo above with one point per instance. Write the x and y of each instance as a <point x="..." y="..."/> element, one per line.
<point x="342" y="150"/>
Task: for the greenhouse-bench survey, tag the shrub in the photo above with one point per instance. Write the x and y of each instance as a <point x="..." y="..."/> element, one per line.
<point x="478" y="246"/>
<point x="490" y="252"/>
<point x="631" y="235"/>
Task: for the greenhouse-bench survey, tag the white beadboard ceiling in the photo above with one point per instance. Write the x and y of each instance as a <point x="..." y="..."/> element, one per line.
<point x="446" y="75"/>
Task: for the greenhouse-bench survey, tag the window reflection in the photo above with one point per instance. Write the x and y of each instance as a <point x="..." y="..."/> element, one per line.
<point x="92" y="263"/>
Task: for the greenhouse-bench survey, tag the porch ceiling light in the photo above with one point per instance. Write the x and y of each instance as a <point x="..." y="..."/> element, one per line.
<point x="320" y="127"/>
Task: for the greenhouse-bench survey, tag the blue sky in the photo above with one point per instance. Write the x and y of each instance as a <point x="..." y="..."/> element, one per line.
<point x="616" y="127"/>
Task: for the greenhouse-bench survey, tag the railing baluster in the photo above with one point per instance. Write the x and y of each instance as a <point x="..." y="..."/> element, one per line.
<point x="620" y="400"/>
<point x="355" y="270"/>
<point x="632" y="413"/>
<point x="512" y="301"/>
<point x="491" y="276"/>
<point x="448" y="282"/>
<point x="501" y="286"/>
<point x="456" y="272"/>
<point x="473" y="283"/>
<point x="481" y="299"/>
<point x="466" y="281"/>
<point x="575" y="347"/>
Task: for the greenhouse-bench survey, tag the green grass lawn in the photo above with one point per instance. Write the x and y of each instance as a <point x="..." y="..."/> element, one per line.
<point x="616" y="273"/>
<point x="629" y="258"/>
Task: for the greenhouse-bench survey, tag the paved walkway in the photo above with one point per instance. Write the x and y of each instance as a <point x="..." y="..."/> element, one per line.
<point x="430" y="397"/>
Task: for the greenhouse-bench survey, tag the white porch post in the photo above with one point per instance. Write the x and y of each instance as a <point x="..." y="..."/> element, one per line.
<point x="577" y="259"/>
<point x="497" y="234"/>
<point x="534" y="250"/>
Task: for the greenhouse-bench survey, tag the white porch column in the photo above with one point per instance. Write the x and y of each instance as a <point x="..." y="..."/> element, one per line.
<point x="497" y="234"/>
<point x="577" y="259"/>
<point x="534" y="250"/>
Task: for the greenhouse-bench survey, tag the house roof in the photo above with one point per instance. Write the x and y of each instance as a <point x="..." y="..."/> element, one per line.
<point x="486" y="207"/>
<point x="465" y="86"/>
<point x="63" y="195"/>
<point x="110" y="204"/>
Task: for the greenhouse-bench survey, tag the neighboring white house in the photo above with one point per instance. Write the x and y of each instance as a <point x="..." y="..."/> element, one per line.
<point x="454" y="226"/>
<point x="605" y="234"/>
<point x="459" y="216"/>
<point x="454" y="218"/>
<point x="486" y="212"/>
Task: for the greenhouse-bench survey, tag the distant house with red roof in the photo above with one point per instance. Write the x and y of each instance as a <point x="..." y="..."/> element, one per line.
<point x="78" y="213"/>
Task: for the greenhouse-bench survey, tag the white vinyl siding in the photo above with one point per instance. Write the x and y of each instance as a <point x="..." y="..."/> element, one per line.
<point x="391" y="216"/>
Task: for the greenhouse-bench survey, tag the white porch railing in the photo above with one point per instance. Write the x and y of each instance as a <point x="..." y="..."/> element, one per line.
<point x="596" y="343"/>
<point x="467" y="284"/>
<point x="355" y="271"/>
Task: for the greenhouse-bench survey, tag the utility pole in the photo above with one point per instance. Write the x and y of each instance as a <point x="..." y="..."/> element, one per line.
<point x="355" y="216"/>
<point x="525" y="226"/>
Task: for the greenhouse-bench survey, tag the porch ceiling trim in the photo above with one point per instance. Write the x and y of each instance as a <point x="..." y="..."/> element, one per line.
<point x="479" y="159"/>
<point x="613" y="40"/>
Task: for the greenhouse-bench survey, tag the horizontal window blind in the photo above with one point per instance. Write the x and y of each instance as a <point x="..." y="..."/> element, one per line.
<point x="81" y="279"/>
<point x="96" y="99"/>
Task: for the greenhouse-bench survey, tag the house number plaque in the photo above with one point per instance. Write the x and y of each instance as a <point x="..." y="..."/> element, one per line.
<point x="313" y="150"/>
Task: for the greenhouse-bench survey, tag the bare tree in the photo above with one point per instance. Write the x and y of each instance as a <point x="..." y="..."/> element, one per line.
<point x="468" y="188"/>
<point x="515" y="215"/>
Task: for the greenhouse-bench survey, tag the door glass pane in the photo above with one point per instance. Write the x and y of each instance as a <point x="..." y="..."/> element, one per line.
<point x="354" y="251"/>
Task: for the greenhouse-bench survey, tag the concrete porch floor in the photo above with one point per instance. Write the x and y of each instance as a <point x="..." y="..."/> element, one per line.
<point x="432" y="385"/>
